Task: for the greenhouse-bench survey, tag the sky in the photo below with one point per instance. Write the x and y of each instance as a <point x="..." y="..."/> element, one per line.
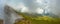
<point x="30" y="4"/>
<point x="55" y="6"/>
<point x="2" y="9"/>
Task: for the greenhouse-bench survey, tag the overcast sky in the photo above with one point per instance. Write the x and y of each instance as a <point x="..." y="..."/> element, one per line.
<point x="55" y="8"/>
<point x="2" y="2"/>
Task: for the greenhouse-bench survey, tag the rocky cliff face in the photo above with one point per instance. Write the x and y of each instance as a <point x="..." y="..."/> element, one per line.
<point x="1" y="21"/>
<point x="10" y="15"/>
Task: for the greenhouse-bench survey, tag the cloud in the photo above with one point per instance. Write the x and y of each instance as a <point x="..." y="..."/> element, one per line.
<point x="39" y="10"/>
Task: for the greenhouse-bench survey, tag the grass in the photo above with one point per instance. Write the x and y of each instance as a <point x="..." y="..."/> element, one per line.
<point x="37" y="19"/>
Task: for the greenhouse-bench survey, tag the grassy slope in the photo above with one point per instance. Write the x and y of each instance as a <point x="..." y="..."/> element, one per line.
<point x="38" y="19"/>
